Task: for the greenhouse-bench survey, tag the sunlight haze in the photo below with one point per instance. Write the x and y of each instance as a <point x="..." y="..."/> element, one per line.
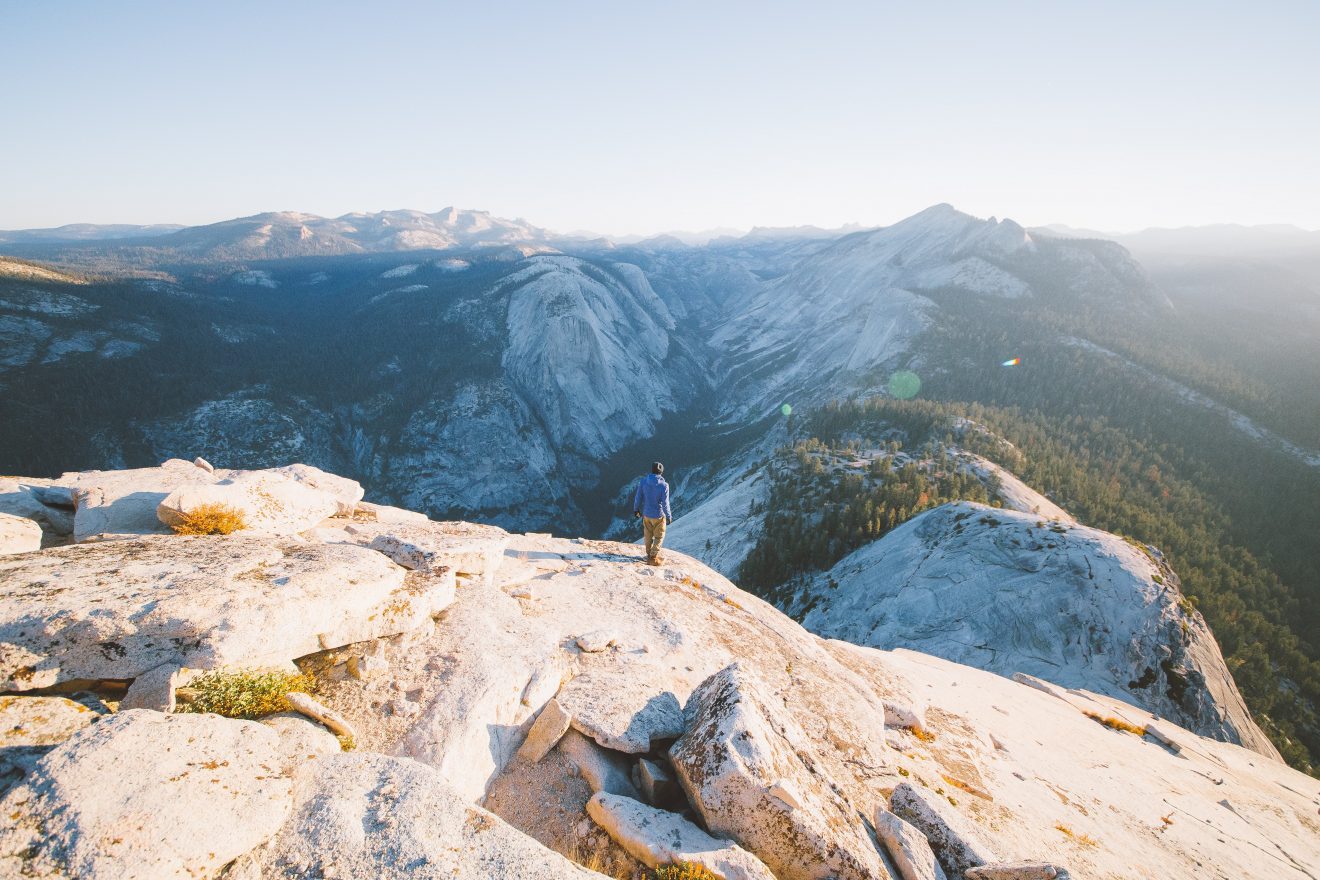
<point x="618" y="119"/>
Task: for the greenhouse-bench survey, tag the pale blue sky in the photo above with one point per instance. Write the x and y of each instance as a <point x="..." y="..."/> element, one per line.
<point x="638" y="117"/>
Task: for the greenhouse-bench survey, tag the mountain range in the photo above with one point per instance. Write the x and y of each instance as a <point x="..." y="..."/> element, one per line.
<point x="477" y="368"/>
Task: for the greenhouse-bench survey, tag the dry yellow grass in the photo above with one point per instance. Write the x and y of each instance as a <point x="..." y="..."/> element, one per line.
<point x="684" y="871"/>
<point x="211" y="519"/>
<point x="1117" y="724"/>
<point x="1083" y="839"/>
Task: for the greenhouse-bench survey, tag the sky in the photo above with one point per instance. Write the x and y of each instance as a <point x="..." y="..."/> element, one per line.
<point x="637" y="118"/>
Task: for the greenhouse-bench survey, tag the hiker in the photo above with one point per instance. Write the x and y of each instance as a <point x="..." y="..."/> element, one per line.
<point x="651" y="504"/>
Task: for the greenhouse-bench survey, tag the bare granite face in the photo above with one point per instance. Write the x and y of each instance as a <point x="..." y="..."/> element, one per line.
<point x="145" y="794"/>
<point x="786" y="746"/>
<point x="1014" y="592"/>
<point x="116" y="609"/>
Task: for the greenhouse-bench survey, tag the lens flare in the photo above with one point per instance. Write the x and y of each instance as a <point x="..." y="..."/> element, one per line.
<point x="904" y="384"/>
<point x="786" y="410"/>
<point x="1011" y="362"/>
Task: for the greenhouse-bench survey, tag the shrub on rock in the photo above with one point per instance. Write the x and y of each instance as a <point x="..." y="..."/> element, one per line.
<point x="245" y="693"/>
<point x="683" y="871"/>
<point x="210" y="519"/>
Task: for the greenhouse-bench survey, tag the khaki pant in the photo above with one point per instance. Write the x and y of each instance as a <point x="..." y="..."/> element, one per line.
<point x="654" y="531"/>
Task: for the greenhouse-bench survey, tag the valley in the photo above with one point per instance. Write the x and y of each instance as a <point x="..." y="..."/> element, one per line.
<point x="479" y="369"/>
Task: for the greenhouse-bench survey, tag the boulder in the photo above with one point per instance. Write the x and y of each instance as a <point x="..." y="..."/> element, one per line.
<point x="546" y="730"/>
<point x="30" y="727"/>
<point x="347" y="493"/>
<point x="1043" y="686"/>
<point x="596" y="641"/>
<point x="954" y="839"/>
<point x="115" y="610"/>
<point x="118" y="504"/>
<point x="602" y="769"/>
<point x="271" y="503"/>
<point x="153" y="689"/>
<point x="907" y="847"/>
<point x="32" y="501"/>
<point x="656" y="837"/>
<point x="370" y="815"/>
<point x="908" y="716"/>
<point x="301" y="738"/>
<point x="737" y="747"/>
<point x="18" y="535"/>
<point x="467" y="549"/>
<point x="144" y="794"/>
<point x="312" y="708"/>
<point x="623" y="707"/>
<point x="54" y="496"/>
<point x="380" y="513"/>
<point x="204" y="464"/>
<point x="1017" y="871"/>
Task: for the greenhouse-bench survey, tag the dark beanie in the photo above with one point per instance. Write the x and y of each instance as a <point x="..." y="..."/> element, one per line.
<point x="657" y="468"/>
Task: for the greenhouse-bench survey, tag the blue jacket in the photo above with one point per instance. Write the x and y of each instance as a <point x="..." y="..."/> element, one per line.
<point x="652" y="497"/>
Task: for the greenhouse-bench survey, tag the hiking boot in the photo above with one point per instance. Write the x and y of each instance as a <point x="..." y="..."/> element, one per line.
<point x="654" y="560"/>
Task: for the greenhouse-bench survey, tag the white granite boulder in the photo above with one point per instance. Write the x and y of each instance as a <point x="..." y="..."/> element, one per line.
<point x="657" y="837"/>
<point x="907" y="847"/>
<point x="369" y="815"/>
<point x="119" y="504"/>
<point x="18" y="535"/>
<point x="32" y="726"/>
<point x="271" y="503"/>
<point x="153" y="689"/>
<point x="738" y="747"/>
<point x="114" y="610"/>
<point x="144" y="794"/>
<point x="468" y="549"/>
<point x="382" y="513"/>
<point x="347" y="493"/>
<point x="301" y="738"/>
<point x="550" y="725"/>
<point x="30" y="500"/>
<point x="954" y="838"/>
<point x="623" y="706"/>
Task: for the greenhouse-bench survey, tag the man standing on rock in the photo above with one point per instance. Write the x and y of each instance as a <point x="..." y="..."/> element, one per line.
<point x="651" y="503"/>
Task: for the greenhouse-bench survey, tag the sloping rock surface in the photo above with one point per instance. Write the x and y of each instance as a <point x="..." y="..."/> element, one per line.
<point x="18" y="535"/>
<point x="362" y="815"/>
<point x="751" y="774"/>
<point x="656" y="837"/>
<point x="1010" y="592"/>
<point x="114" y="610"/>
<point x="145" y="794"/>
<point x="1036" y="769"/>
